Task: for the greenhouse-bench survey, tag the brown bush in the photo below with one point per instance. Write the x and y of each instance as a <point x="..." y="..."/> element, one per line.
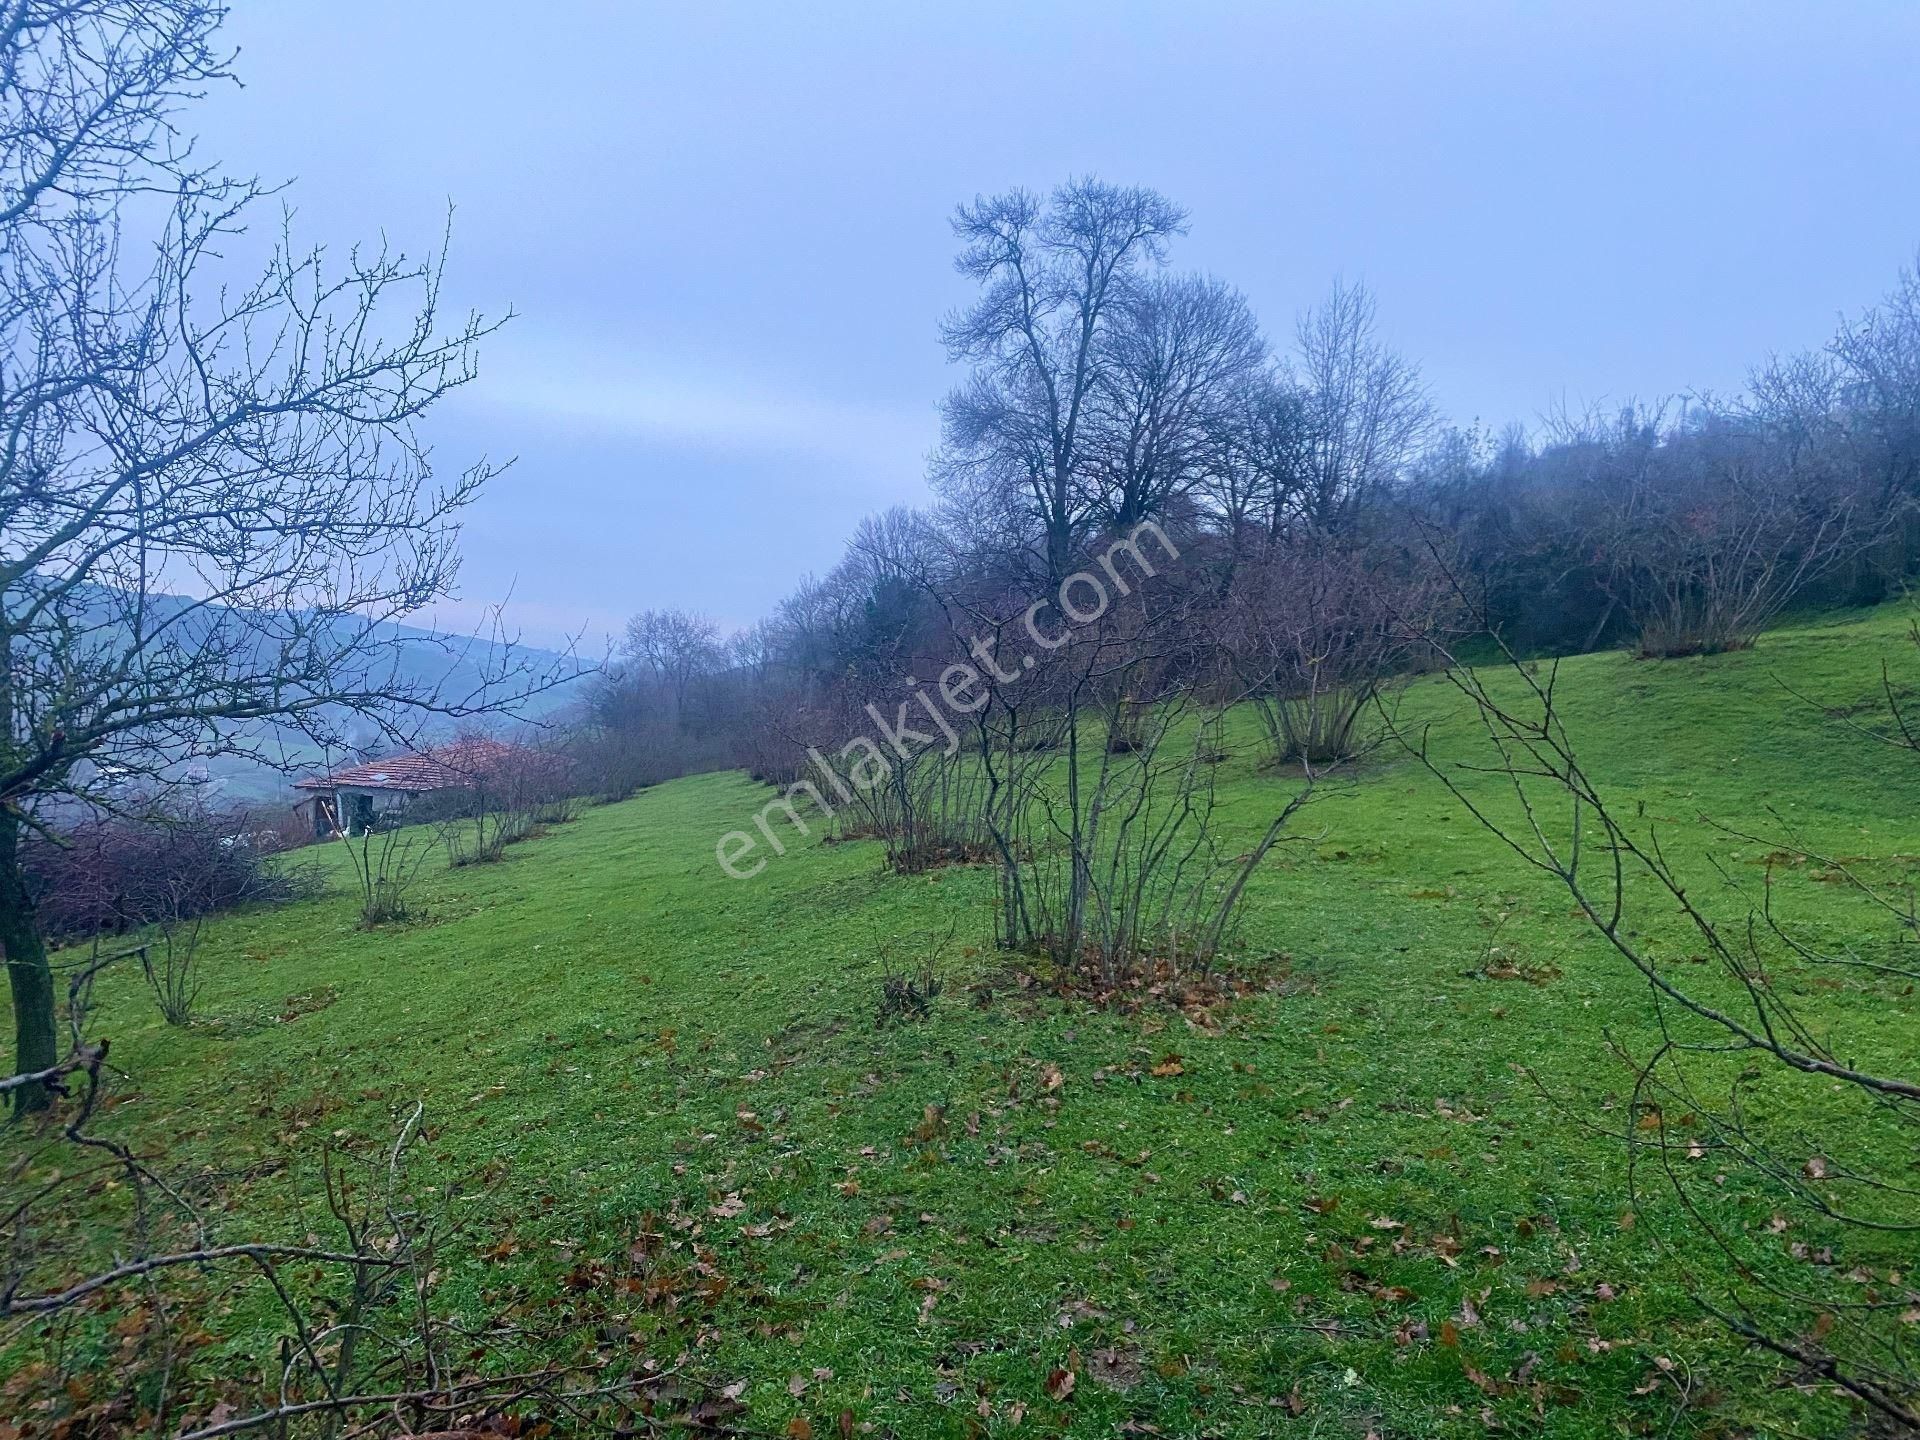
<point x="173" y="862"/>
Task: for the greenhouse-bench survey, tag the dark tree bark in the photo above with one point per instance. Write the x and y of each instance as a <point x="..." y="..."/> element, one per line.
<point x="36" y="1043"/>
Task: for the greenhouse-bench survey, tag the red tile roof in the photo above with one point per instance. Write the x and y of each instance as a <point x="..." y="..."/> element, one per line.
<point x="448" y="767"/>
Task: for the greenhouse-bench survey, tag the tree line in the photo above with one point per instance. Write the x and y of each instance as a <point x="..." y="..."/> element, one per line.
<point x="1323" y="508"/>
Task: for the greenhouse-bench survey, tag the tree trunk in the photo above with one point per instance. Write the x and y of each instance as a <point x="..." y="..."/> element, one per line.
<point x="1599" y="628"/>
<point x="28" y="975"/>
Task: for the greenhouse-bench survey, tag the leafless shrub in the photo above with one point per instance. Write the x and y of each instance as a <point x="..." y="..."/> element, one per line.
<point x="386" y="861"/>
<point x="1108" y="853"/>
<point x="1709" y="559"/>
<point x="169" y="861"/>
<point x="558" y="810"/>
<point x="911" y="982"/>
<point x="1316" y="630"/>
<point x="510" y="793"/>
<point x="1702" y="530"/>
<point x="170" y="967"/>
<point x="921" y="801"/>
<point x="931" y="812"/>
<point x="1738" y="1059"/>
<point x="926" y="811"/>
<point x="1142" y="874"/>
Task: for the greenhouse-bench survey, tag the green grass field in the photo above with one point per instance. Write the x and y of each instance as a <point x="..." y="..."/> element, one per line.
<point x="1336" y="1207"/>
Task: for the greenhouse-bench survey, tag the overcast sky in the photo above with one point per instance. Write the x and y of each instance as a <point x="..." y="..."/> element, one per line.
<point x="724" y="227"/>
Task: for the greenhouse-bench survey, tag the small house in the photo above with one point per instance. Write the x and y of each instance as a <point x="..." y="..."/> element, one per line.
<point x="354" y="800"/>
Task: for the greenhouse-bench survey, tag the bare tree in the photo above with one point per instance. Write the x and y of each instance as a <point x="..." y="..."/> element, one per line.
<point x="1367" y="414"/>
<point x="212" y="498"/>
<point x="1056" y="278"/>
<point x="1879" y="382"/>
<point x="1173" y="372"/>
<point x="1258" y="470"/>
<point x="899" y="544"/>
<point x="677" y="648"/>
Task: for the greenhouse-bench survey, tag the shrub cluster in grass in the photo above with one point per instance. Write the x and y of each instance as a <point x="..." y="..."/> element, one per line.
<point x="165" y="863"/>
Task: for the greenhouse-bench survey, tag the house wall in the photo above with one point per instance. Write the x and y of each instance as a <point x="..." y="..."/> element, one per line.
<point x="383" y="800"/>
<point x="331" y="808"/>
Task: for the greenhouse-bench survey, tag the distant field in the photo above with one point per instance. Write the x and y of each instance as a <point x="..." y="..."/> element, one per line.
<point x="1333" y="1207"/>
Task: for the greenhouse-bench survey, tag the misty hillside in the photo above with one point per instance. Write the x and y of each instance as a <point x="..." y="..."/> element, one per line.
<point x="457" y="665"/>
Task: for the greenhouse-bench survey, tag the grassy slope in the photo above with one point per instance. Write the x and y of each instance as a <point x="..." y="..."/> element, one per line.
<point x="618" y="1030"/>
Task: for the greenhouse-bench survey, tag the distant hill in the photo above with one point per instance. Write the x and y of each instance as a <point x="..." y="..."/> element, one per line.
<point x="427" y="655"/>
<point x="456" y="664"/>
